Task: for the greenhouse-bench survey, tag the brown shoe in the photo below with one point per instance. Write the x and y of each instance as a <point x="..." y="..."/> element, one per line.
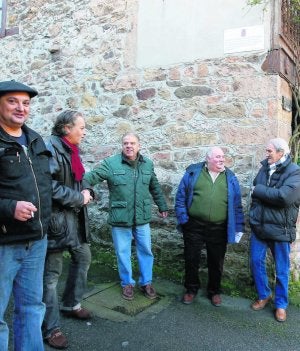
<point x="127" y="292"/>
<point x="216" y="300"/>
<point x="149" y="291"/>
<point x="57" y="340"/>
<point x="188" y="298"/>
<point x="280" y="314"/>
<point x="79" y="313"/>
<point x="260" y="304"/>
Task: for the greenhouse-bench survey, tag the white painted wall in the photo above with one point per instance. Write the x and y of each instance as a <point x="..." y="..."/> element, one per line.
<point x="173" y="31"/>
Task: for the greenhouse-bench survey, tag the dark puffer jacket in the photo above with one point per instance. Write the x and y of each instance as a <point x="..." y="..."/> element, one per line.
<point x="24" y="177"/>
<point x="69" y="219"/>
<point x="274" y="209"/>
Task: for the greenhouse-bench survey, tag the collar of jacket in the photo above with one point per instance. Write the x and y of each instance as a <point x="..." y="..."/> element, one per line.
<point x="30" y="134"/>
<point x="278" y="167"/>
<point x="59" y="144"/>
<point x="139" y="156"/>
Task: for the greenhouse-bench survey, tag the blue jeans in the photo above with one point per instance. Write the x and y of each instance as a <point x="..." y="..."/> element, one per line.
<point x="21" y="272"/>
<point x="280" y="251"/>
<point x="74" y="288"/>
<point x="122" y="238"/>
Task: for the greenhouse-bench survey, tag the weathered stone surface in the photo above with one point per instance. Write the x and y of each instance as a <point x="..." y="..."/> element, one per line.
<point x="193" y="139"/>
<point x="127" y="99"/>
<point x="234" y="110"/>
<point x="121" y="112"/>
<point x="164" y="94"/>
<point x="89" y="101"/>
<point x="191" y="91"/>
<point x="174" y="83"/>
<point x="202" y="70"/>
<point x="145" y="94"/>
<point x="155" y="75"/>
<point x="174" y="74"/>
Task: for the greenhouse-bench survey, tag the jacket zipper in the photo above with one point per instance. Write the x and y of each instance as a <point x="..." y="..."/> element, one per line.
<point x="36" y="186"/>
<point x="134" y="200"/>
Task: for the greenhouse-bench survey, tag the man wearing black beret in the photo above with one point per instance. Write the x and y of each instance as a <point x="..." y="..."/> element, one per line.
<point x="25" y="209"/>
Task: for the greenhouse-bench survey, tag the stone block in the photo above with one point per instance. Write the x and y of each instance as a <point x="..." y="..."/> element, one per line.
<point x="145" y="94"/>
<point x="188" y="92"/>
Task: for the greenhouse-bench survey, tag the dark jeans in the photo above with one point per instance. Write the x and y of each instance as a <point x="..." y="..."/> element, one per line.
<point x="196" y="234"/>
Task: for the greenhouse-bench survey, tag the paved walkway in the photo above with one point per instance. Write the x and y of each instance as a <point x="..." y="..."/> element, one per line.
<point x="169" y="325"/>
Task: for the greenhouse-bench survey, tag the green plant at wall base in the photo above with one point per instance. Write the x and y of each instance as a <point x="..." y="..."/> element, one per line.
<point x="294" y="293"/>
<point x="103" y="257"/>
<point x="168" y="273"/>
<point x="104" y="263"/>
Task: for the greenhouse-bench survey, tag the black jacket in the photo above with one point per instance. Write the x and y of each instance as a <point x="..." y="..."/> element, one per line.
<point x="24" y="178"/>
<point x="69" y="219"/>
<point x="274" y="209"/>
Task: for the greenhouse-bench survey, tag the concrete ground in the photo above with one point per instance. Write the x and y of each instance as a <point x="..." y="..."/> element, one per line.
<point x="166" y="324"/>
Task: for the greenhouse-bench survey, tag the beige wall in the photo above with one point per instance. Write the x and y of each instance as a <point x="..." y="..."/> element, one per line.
<point x="172" y="31"/>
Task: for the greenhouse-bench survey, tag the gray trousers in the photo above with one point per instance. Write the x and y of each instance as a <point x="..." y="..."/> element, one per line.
<point x="74" y="288"/>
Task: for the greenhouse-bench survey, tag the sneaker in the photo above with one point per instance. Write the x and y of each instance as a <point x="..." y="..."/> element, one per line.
<point x="149" y="291"/>
<point x="216" y="300"/>
<point x="188" y="298"/>
<point x="127" y="292"/>
<point x="79" y="313"/>
<point x="57" y="340"/>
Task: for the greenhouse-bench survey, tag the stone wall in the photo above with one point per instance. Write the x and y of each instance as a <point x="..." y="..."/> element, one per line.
<point x="81" y="55"/>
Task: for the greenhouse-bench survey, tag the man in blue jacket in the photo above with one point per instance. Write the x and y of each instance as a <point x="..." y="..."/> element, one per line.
<point x="209" y="212"/>
<point x="273" y="216"/>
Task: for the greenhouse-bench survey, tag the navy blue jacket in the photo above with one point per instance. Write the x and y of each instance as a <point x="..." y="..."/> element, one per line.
<point x="274" y="208"/>
<point x="184" y="198"/>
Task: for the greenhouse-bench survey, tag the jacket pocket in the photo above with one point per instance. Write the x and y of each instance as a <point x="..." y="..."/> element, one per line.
<point x="119" y="177"/>
<point x="11" y="163"/>
<point x="147" y="204"/>
<point x="146" y="176"/>
<point x="119" y="212"/>
<point x="58" y="225"/>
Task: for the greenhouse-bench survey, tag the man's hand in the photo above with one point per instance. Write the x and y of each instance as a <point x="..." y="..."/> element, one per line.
<point x="163" y="214"/>
<point x="87" y="198"/>
<point x="24" y="211"/>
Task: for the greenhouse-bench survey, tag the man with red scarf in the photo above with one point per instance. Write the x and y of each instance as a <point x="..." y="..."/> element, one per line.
<point x="68" y="227"/>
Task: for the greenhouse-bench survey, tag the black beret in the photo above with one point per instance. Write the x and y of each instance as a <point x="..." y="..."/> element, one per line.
<point x="13" y="86"/>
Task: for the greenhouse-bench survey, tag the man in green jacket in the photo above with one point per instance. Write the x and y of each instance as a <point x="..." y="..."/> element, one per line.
<point x="132" y="184"/>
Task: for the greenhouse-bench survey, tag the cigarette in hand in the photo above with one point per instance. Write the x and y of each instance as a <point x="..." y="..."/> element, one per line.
<point x="32" y="214"/>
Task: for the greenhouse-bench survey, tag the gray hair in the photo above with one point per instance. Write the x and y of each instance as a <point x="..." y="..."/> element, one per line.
<point x="131" y="134"/>
<point x="68" y="117"/>
<point x="210" y="151"/>
<point x="280" y="145"/>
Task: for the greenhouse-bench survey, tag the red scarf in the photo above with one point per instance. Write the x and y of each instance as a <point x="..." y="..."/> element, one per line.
<point x="76" y="165"/>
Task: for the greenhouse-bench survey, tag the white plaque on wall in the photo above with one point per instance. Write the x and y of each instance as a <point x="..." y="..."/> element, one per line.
<point x="244" y="39"/>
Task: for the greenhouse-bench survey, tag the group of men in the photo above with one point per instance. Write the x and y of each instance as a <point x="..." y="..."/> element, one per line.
<point x="44" y="191"/>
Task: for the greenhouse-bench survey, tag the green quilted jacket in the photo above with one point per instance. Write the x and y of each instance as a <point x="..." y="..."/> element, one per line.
<point x="130" y="190"/>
